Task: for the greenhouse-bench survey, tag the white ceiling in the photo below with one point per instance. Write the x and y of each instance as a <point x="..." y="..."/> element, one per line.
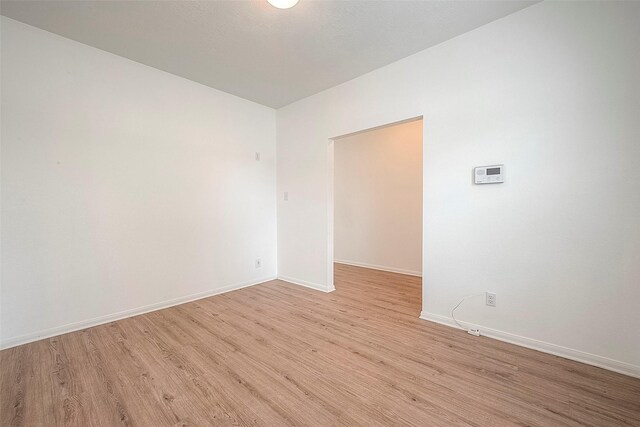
<point x="255" y="51"/>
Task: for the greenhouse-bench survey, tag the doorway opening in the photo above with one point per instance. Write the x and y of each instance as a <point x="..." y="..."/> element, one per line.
<point x="375" y="218"/>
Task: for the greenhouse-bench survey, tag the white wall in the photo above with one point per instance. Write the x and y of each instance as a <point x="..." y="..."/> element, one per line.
<point x="378" y="198"/>
<point x="123" y="187"/>
<point x="553" y="93"/>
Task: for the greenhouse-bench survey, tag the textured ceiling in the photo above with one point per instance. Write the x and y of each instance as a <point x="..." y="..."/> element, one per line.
<point x="255" y="51"/>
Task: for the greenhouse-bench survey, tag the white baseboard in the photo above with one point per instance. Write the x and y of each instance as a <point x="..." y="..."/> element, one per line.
<point x="379" y="267"/>
<point x="76" y="326"/>
<point x="306" y="284"/>
<point x="545" y="347"/>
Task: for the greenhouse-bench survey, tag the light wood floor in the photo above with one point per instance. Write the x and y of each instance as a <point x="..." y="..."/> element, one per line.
<point x="280" y="354"/>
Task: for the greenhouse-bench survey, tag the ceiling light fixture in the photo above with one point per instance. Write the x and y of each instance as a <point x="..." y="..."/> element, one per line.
<point x="283" y="4"/>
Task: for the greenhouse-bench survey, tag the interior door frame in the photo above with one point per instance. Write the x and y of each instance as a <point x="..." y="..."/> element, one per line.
<point x="331" y="191"/>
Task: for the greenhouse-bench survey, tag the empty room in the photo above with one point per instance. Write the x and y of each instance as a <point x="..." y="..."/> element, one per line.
<point x="377" y="215"/>
<point x="319" y="213"/>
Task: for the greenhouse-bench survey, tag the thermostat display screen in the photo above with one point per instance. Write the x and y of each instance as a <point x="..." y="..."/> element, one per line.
<point x="493" y="171"/>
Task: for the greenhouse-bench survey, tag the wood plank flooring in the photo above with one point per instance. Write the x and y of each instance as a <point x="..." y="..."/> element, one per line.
<point x="280" y="354"/>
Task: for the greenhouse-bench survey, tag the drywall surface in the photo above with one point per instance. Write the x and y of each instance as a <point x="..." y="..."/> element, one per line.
<point x="378" y="198"/>
<point x="553" y="93"/>
<point x="123" y="187"/>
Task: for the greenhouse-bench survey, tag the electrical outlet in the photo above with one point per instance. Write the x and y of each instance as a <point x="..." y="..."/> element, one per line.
<point x="286" y="196"/>
<point x="491" y="299"/>
<point x="257" y="156"/>
<point x="258" y="262"/>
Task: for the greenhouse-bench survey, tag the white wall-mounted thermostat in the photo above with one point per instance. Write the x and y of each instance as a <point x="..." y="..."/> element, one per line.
<point x="489" y="174"/>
